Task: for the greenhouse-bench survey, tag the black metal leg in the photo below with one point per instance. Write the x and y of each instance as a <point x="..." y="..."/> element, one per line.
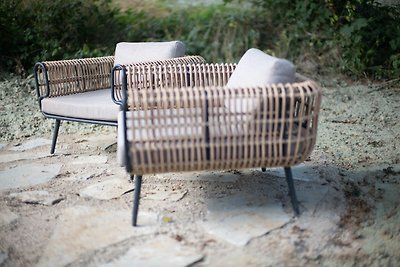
<point x="292" y="191"/>
<point x="55" y="135"/>
<point x="263" y="169"/>
<point x="136" y="197"/>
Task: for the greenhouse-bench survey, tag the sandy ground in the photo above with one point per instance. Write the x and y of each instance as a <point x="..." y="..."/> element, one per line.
<point x="355" y="220"/>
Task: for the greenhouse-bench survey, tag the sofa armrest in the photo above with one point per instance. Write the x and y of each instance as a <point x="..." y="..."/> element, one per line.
<point x="64" y="77"/>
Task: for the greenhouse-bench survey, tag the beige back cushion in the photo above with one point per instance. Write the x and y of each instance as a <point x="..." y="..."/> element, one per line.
<point x="127" y="53"/>
<point x="256" y="69"/>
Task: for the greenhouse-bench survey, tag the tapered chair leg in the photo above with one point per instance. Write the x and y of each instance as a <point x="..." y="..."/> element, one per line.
<point x="292" y="191"/>
<point x="55" y="135"/>
<point x="136" y="197"/>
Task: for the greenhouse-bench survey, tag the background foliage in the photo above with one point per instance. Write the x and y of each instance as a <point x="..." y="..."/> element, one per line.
<point x="362" y="37"/>
<point x="358" y="37"/>
<point x="33" y="30"/>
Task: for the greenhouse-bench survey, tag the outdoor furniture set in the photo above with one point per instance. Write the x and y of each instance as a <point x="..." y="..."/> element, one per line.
<point x="178" y="113"/>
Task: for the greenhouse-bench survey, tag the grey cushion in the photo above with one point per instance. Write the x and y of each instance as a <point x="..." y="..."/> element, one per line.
<point x="256" y="69"/>
<point x="94" y="105"/>
<point x="127" y="53"/>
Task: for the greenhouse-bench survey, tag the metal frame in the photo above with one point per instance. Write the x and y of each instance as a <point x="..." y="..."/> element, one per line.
<point x="138" y="186"/>
<point x="58" y="120"/>
<point x="292" y="191"/>
<point x="55" y="135"/>
<point x="136" y="198"/>
<point x="291" y="188"/>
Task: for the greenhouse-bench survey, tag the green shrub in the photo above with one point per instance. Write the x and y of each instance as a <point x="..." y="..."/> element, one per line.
<point x="37" y="30"/>
<point x="369" y="38"/>
<point x="33" y="30"/>
<point x="217" y="32"/>
<point x="359" y="36"/>
<point x="365" y="33"/>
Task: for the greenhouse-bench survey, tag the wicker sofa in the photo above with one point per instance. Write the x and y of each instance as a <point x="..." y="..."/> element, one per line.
<point x="80" y="89"/>
<point x="188" y="117"/>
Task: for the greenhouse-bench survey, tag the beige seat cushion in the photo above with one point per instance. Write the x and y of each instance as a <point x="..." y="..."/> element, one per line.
<point x="127" y="53"/>
<point x="93" y="105"/>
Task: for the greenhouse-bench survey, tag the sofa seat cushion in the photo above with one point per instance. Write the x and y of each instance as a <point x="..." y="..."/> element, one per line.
<point x="128" y="53"/>
<point x="93" y="105"/>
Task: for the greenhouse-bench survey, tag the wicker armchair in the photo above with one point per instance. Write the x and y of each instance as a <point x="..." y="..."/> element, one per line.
<point x="184" y="117"/>
<point x="79" y="89"/>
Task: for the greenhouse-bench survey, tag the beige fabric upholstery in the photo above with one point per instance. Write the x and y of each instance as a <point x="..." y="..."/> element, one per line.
<point x="93" y="105"/>
<point x="255" y="69"/>
<point x="128" y="53"/>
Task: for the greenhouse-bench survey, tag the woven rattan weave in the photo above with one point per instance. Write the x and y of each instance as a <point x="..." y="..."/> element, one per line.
<point x="81" y="76"/>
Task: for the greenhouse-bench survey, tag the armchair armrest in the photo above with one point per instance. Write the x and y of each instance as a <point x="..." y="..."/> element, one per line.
<point x="149" y="74"/>
<point x="184" y="123"/>
<point x="179" y="75"/>
<point x="64" y="77"/>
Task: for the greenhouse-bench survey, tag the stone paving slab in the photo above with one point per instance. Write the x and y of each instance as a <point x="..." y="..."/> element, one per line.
<point x="163" y="195"/>
<point x="86" y="175"/>
<point x="10" y="157"/>
<point x="3" y="257"/>
<point x="210" y="176"/>
<point x="84" y="229"/>
<point x="2" y="145"/>
<point x="311" y="197"/>
<point x="238" y="258"/>
<point x="89" y="160"/>
<point x="28" y="175"/>
<point x="7" y="216"/>
<point x="37" y="197"/>
<point x="301" y="172"/>
<point x="102" y="142"/>
<point x="160" y="251"/>
<point x="239" y="218"/>
<point x="108" y="189"/>
<point x="30" y="144"/>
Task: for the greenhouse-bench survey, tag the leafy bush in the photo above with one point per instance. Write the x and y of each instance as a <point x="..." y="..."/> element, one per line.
<point x="83" y="28"/>
<point x="359" y="36"/>
<point x="365" y="34"/>
<point x="217" y="32"/>
<point x="33" y="30"/>
<point x="369" y="38"/>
